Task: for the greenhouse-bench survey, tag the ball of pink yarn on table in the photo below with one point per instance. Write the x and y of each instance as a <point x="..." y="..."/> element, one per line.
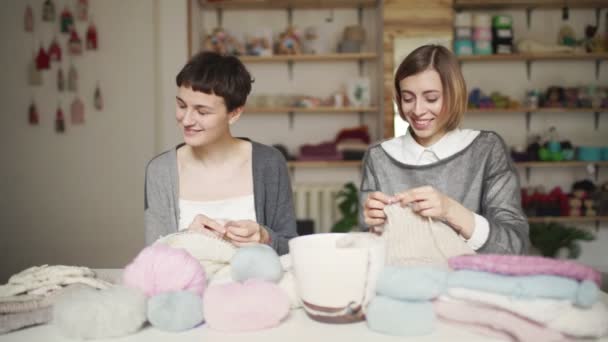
<point x="160" y="268"/>
<point x="249" y="306"/>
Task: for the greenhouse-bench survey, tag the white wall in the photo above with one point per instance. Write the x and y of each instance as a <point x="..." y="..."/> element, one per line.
<point x="77" y="198"/>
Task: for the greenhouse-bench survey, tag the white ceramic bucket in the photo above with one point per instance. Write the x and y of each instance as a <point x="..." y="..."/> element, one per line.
<point x="336" y="273"/>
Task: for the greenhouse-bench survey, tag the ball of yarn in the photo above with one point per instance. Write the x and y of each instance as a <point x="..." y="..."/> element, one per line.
<point x="82" y="312"/>
<point x="256" y="262"/>
<point x="160" y="268"/>
<point x="175" y="311"/>
<point x="588" y="294"/>
<point x="252" y="305"/>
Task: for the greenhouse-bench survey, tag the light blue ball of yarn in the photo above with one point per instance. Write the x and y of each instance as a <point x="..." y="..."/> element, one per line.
<point x="256" y="262"/>
<point x="587" y="294"/>
<point x="175" y="311"/>
<point x="412" y="283"/>
<point x="399" y="317"/>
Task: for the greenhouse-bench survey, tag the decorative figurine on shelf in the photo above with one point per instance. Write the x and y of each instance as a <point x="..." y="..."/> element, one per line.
<point x="75" y="44"/>
<point x="259" y="44"/>
<point x="32" y="116"/>
<point x="67" y="21"/>
<point x="34" y="75"/>
<point x="98" y="99"/>
<point x="55" y="51"/>
<point x="77" y="112"/>
<point x="43" y="61"/>
<point x="571" y="97"/>
<point x="59" y="121"/>
<point x="48" y="11"/>
<point x="554" y="97"/>
<point x="289" y="42"/>
<point x="60" y="80"/>
<point x="589" y="42"/>
<point x="92" y="37"/>
<point x="72" y="79"/>
<point x="82" y="10"/>
<point x="566" y="36"/>
<point x="222" y="42"/>
<point x="28" y="19"/>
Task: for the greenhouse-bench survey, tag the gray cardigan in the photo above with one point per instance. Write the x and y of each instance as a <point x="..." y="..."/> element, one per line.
<point x="481" y="177"/>
<point x="271" y="191"/>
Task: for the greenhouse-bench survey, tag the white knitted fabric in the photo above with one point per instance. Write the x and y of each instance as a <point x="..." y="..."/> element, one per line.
<point x="560" y="315"/>
<point x="42" y="280"/>
<point x="412" y="240"/>
<point x="212" y="252"/>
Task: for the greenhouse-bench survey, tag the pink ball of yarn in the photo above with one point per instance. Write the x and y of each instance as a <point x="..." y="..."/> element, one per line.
<point x="253" y="305"/>
<point x="160" y="268"/>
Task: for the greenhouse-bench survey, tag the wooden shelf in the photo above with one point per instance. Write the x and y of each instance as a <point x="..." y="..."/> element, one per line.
<point x="574" y="163"/>
<point x="537" y="110"/>
<point x="566" y="219"/>
<point x="332" y="57"/>
<point x="534" y="57"/>
<point x="513" y="4"/>
<point x="284" y="4"/>
<point x="324" y="164"/>
<point x="283" y="110"/>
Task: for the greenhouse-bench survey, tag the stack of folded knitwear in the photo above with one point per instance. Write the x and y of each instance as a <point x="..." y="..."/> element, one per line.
<point x="28" y="297"/>
<point x="524" y="298"/>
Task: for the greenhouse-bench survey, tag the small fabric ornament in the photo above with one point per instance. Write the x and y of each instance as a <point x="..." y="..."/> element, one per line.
<point x="34" y="76"/>
<point x="98" y="99"/>
<point x="82" y="10"/>
<point x="43" y="61"/>
<point x="77" y="112"/>
<point x="32" y="117"/>
<point x="59" y="121"/>
<point x="92" y="37"/>
<point x="67" y="21"/>
<point x="75" y="44"/>
<point x="55" y="51"/>
<point x="72" y="79"/>
<point x="48" y="11"/>
<point x="60" y="80"/>
<point x="28" y="19"/>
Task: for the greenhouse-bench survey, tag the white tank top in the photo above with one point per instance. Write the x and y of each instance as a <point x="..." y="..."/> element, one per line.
<point x="235" y="208"/>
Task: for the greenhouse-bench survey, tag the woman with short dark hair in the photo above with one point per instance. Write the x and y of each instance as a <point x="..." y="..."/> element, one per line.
<point x="232" y="188"/>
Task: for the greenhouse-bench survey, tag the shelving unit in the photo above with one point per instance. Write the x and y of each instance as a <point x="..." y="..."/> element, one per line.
<point x="569" y="219"/>
<point x="332" y="57"/>
<point x="529" y="111"/>
<point x="282" y="4"/>
<point x="283" y="110"/>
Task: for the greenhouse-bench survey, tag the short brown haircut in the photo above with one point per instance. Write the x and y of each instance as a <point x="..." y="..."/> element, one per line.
<point x="440" y="59"/>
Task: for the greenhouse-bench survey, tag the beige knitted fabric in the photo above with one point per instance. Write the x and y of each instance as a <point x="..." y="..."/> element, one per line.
<point x="412" y="240"/>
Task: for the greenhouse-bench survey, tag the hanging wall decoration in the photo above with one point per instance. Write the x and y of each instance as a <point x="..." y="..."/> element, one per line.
<point x="55" y="51"/>
<point x="32" y="116"/>
<point x="48" y="11"/>
<point x="43" y="60"/>
<point x="28" y="19"/>
<point x="33" y="74"/>
<point x="77" y="111"/>
<point x="75" y="44"/>
<point x="59" y="121"/>
<point x="60" y="80"/>
<point x="82" y="10"/>
<point x="72" y="79"/>
<point x="92" y="37"/>
<point x="98" y="99"/>
<point x="67" y="21"/>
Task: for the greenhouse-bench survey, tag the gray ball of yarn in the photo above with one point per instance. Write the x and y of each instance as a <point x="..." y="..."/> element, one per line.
<point x="256" y="262"/>
<point x="175" y="311"/>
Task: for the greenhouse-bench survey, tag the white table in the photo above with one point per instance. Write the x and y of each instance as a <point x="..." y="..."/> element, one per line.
<point x="297" y="327"/>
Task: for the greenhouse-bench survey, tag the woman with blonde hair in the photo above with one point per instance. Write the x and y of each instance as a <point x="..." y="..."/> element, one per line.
<point x="462" y="177"/>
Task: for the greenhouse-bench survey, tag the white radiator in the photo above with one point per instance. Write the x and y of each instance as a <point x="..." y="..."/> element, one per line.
<point x="317" y="202"/>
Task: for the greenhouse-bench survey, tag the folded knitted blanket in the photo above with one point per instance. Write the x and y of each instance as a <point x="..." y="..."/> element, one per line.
<point x="525" y="265"/>
<point x="559" y="315"/>
<point x="20" y="320"/>
<point x="519" y="329"/>
<point x="40" y="280"/>
<point x="583" y="294"/>
<point x="414" y="240"/>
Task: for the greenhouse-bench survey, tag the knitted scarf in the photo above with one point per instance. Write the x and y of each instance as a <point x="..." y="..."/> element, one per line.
<point x="412" y="240"/>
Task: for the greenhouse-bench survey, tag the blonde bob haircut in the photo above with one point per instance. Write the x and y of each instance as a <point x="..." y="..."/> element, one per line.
<point x="440" y="59"/>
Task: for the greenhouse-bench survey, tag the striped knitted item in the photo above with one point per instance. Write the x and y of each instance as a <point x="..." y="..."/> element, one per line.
<point x="413" y="240"/>
<point x="20" y="320"/>
<point x="519" y="265"/>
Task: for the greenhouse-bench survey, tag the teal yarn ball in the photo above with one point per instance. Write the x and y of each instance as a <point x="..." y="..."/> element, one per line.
<point x="256" y="262"/>
<point x="175" y="311"/>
